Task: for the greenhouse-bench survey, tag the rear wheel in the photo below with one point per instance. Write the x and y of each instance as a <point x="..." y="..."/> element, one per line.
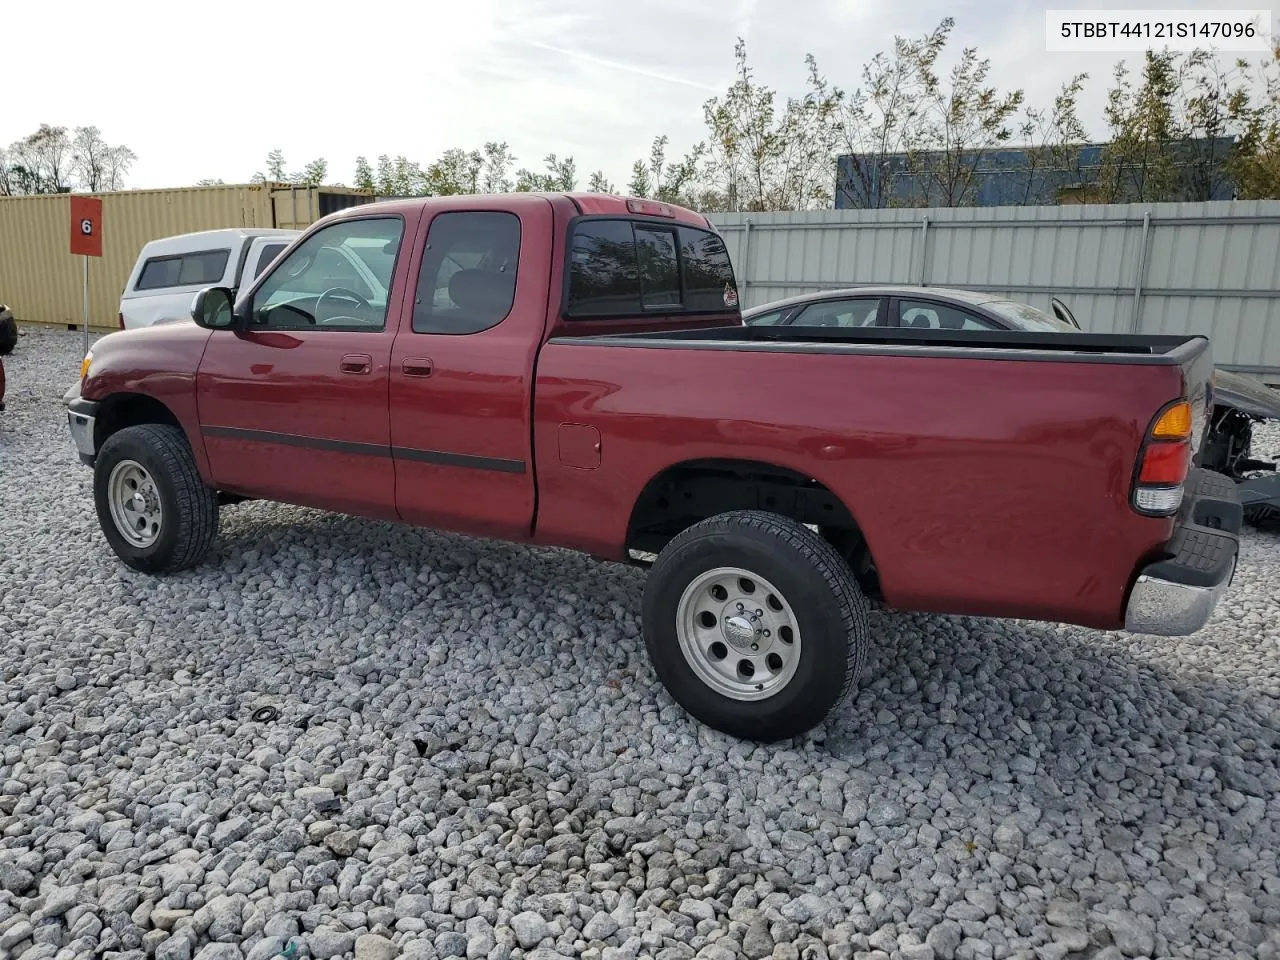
<point x="755" y="625"/>
<point x="155" y="511"/>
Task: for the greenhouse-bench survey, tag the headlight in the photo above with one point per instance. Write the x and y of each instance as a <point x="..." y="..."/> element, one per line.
<point x="85" y="364"/>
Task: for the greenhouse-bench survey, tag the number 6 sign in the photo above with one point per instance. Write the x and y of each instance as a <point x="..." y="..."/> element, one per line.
<point x="86" y="226"/>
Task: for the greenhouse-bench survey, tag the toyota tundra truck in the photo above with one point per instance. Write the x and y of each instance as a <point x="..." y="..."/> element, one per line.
<point x="573" y="370"/>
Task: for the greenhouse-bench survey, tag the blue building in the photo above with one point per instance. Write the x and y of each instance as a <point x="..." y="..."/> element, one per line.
<point x="1020" y="176"/>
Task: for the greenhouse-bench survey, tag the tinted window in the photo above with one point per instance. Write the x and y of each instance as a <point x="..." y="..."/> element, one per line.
<point x="604" y="277"/>
<point x="627" y="268"/>
<point x="707" y="271"/>
<point x="188" y="269"/>
<point x="659" y="269"/>
<point x="936" y="316"/>
<point x="840" y="313"/>
<point x="269" y="252"/>
<point x="467" y="282"/>
<point x="322" y="283"/>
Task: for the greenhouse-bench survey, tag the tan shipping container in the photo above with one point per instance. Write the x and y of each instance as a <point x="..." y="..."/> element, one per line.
<point x="41" y="280"/>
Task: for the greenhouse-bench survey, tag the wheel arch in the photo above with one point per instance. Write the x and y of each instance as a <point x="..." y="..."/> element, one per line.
<point x="120" y="410"/>
<point x="131" y="408"/>
<point x="687" y="492"/>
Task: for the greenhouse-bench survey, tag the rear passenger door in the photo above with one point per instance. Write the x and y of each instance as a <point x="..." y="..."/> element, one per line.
<point x="461" y="377"/>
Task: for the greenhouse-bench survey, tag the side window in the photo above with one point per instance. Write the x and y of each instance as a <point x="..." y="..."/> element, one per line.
<point x="770" y="319"/>
<point x="620" y="268"/>
<point x="269" y="252"/>
<point x="937" y="316"/>
<point x="324" y="283"/>
<point x="840" y="313"/>
<point x="467" y="282"/>
<point x="182" y="270"/>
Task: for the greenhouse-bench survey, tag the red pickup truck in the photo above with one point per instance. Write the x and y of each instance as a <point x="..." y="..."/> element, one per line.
<point x="573" y="370"/>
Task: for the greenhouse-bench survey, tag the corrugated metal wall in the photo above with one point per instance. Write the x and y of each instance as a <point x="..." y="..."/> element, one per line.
<point x="41" y="281"/>
<point x="1211" y="268"/>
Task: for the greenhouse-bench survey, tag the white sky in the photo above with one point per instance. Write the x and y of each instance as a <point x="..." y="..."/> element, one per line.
<point x="207" y="89"/>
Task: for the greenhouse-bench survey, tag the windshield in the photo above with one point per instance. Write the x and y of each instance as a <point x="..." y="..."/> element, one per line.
<point x="1023" y="316"/>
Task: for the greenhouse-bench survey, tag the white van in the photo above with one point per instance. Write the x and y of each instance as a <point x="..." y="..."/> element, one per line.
<point x="170" y="272"/>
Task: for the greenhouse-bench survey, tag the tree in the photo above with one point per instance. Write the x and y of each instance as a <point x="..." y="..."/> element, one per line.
<point x="89" y="158"/>
<point x="314" y="174"/>
<point x="51" y="161"/>
<point x="1138" y="162"/>
<point x="599" y="183"/>
<point x="1053" y="139"/>
<point x="659" y="179"/>
<point x="1255" y="161"/>
<point x="879" y="121"/>
<point x="275" y="165"/>
<point x="1214" y="102"/>
<point x="456" y="171"/>
<point x="495" y="168"/>
<point x="561" y="176"/>
<point x="210" y="182"/>
<point x="399" y="178"/>
<point x="119" y="159"/>
<point x="641" y="183"/>
<point x="364" y="175"/>
<point x="40" y="162"/>
<point x="761" y="159"/>
<point x="961" y="121"/>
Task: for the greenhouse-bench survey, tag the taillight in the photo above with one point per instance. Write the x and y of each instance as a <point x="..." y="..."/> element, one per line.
<point x="122" y="321"/>
<point x="1164" y="461"/>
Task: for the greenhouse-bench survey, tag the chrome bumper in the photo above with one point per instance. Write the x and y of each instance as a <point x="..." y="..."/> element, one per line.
<point x="1176" y="596"/>
<point x="81" y="418"/>
<point x="1163" y="608"/>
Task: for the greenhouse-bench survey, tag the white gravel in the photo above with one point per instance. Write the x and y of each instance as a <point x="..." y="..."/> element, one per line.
<point x="472" y="758"/>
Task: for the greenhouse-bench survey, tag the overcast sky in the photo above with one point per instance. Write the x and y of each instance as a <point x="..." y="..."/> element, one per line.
<point x="206" y="89"/>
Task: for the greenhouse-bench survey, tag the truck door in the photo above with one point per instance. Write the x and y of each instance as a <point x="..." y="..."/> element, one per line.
<point x="294" y="408"/>
<point x="462" y="366"/>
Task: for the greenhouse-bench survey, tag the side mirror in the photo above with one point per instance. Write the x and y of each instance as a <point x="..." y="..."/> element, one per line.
<point x="213" y="309"/>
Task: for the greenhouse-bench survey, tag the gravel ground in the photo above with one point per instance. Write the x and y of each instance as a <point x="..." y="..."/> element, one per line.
<point x="469" y="756"/>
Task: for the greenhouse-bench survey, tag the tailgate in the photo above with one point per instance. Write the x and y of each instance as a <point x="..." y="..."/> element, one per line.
<point x="1197" y="377"/>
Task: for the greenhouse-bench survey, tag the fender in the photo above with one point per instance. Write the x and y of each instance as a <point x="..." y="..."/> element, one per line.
<point x="158" y="363"/>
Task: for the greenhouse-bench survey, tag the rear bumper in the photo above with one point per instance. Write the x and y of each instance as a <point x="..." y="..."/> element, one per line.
<point x="82" y="417"/>
<point x="1175" y="596"/>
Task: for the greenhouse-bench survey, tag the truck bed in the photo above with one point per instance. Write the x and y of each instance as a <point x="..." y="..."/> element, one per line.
<point x="1129" y="349"/>
<point x="989" y="471"/>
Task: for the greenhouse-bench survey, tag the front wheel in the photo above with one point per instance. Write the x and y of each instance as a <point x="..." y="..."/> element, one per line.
<point x="155" y="511"/>
<point x="755" y="625"/>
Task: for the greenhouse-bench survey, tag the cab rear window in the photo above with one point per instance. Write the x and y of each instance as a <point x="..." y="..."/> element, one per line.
<point x="621" y="267"/>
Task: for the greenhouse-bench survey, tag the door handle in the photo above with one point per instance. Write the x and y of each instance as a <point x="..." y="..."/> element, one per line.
<point x="416" y="367"/>
<point x="356" y="363"/>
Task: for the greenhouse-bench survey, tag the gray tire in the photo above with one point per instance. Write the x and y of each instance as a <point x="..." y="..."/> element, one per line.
<point x="755" y="625"/>
<point x="155" y="511"/>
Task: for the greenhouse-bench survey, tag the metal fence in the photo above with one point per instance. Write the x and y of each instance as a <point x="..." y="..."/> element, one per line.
<point x="1210" y="268"/>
